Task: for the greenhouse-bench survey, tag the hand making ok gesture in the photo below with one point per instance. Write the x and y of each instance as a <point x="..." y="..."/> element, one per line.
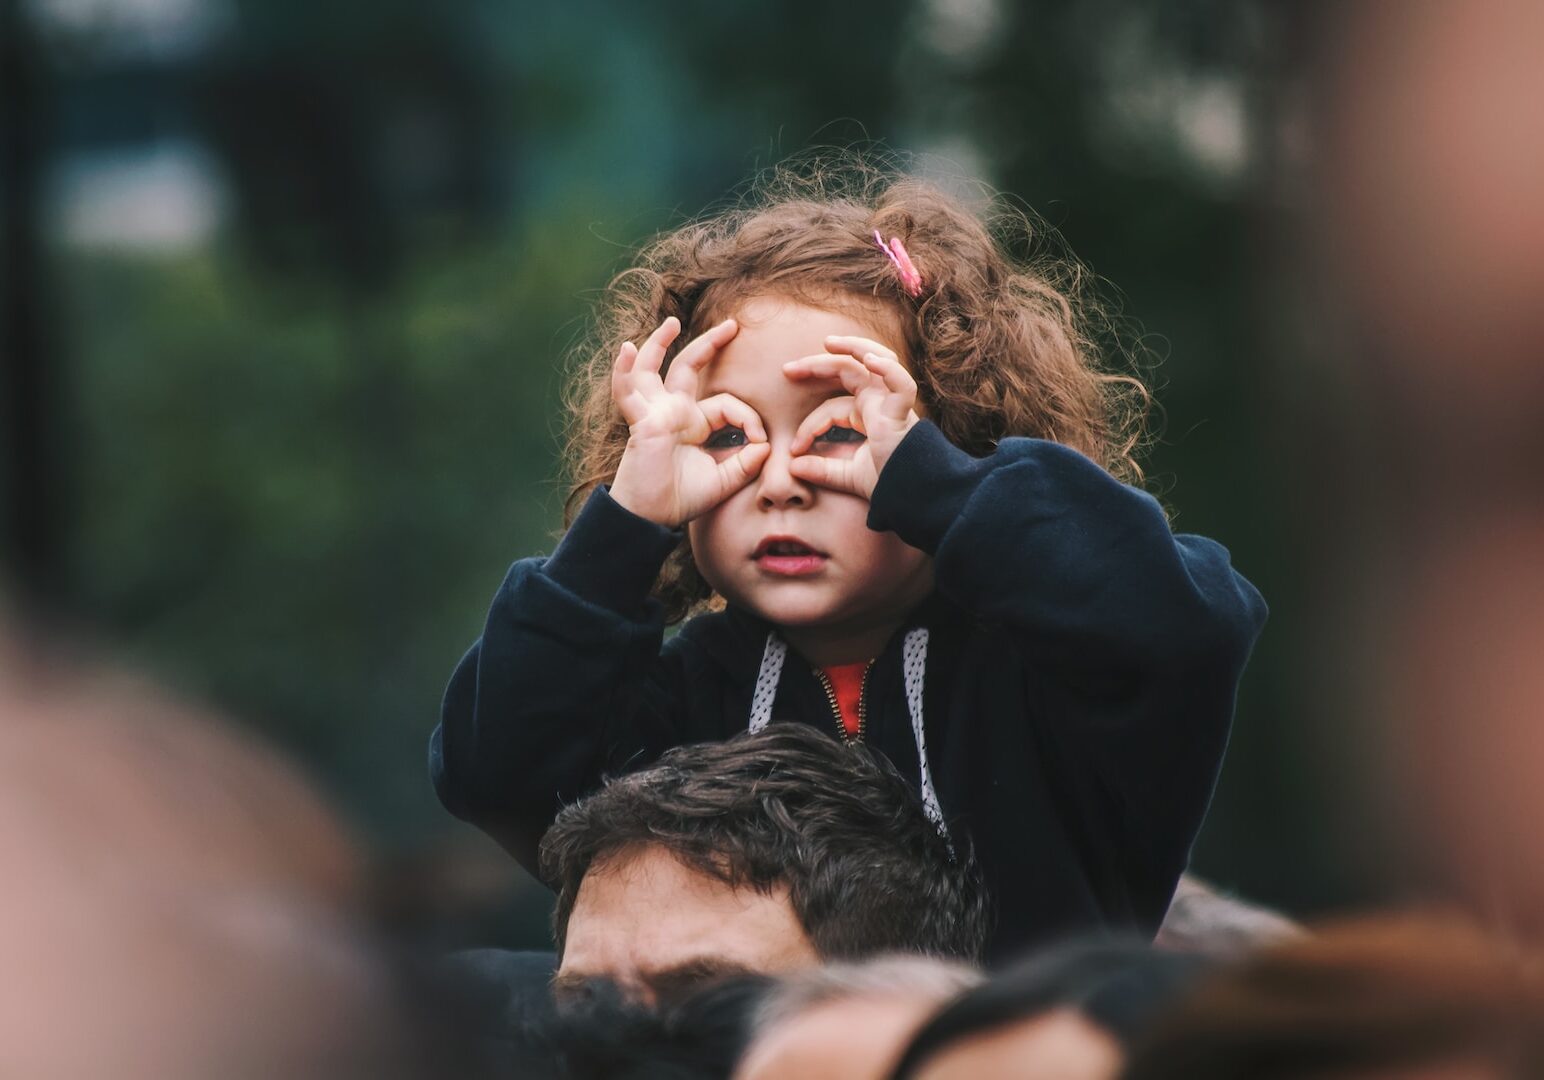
<point x="881" y="405"/>
<point x="671" y="472"/>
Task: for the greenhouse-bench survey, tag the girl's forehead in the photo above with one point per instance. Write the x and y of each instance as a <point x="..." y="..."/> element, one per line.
<point x="761" y="384"/>
<point x="774" y="305"/>
<point x="774" y="331"/>
<point x="787" y="315"/>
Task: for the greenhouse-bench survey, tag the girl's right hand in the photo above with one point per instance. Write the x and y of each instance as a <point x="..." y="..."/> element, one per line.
<point x="669" y="473"/>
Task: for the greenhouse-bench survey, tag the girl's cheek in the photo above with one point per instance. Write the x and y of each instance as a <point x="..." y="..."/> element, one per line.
<point x="702" y="540"/>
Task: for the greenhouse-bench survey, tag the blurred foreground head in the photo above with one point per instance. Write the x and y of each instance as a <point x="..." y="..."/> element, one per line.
<point x="1204" y="920"/>
<point x="1384" y="999"/>
<point x="1068" y="1012"/>
<point x="849" y="1021"/>
<point x="605" y="1033"/>
<point x="765" y="853"/>
<point x="1432" y="245"/>
<point x="177" y="902"/>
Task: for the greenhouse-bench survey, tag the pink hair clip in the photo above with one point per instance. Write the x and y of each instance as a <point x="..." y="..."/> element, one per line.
<point x="911" y="277"/>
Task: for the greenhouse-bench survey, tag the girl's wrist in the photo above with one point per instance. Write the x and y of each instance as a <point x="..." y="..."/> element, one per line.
<point x="634" y="503"/>
<point x="891" y="443"/>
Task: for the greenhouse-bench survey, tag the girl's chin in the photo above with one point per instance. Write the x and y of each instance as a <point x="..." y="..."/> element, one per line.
<point x="792" y="611"/>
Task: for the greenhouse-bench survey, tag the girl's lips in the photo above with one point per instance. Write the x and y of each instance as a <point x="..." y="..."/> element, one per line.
<point x="791" y="565"/>
<point x="788" y="556"/>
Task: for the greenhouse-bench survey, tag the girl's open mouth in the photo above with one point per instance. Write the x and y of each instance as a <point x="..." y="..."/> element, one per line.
<point x="788" y="556"/>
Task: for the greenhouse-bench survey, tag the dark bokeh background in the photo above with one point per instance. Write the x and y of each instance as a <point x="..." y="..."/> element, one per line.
<point x="288" y="287"/>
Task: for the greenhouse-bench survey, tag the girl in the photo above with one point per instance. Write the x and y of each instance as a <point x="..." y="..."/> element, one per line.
<point x="878" y="465"/>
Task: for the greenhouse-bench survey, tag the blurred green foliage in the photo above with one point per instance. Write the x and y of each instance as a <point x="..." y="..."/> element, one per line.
<point x="297" y="508"/>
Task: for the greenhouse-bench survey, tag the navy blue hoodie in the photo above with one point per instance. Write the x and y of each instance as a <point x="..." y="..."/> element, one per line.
<point x="1082" y="665"/>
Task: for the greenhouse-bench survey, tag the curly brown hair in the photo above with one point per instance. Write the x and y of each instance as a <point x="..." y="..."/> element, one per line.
<point x="999" y="345"/>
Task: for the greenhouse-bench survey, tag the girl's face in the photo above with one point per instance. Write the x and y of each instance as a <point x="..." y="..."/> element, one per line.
<point x="796" y="554"/>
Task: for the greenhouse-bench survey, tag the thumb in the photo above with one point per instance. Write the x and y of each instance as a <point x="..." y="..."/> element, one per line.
<point x="833" y="473"/>
<point x="738" y="470"/>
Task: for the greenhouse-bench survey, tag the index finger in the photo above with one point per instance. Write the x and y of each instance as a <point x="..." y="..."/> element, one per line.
<point x="856" y="346"/>
<point x="902" y="387"/>
<point x="686" y="369"/>
<point x="853" y="374"/>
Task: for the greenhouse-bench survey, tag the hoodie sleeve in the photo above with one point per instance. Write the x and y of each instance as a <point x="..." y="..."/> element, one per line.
<point x="566" y="679"/>
<point x="1135" y="637"/>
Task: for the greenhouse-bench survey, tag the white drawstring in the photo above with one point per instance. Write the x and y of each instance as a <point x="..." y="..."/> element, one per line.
<point x="772" y="658"/>
<point x="914" y="668"/>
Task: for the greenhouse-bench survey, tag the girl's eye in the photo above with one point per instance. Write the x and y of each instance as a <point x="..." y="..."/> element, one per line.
<point x="725" y="438"/>
<point x="838" y="434"/>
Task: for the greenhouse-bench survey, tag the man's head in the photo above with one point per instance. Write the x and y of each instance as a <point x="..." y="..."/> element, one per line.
<point x="765" y="853"/>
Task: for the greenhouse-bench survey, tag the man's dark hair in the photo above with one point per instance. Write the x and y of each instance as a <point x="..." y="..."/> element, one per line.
<point x="866" y="871"/>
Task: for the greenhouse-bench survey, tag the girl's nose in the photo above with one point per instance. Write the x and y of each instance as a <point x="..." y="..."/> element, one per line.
<point x="776" y="487"/>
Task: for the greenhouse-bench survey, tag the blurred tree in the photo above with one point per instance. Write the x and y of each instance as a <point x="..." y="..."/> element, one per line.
<point x="344" y="133"/>
<point x="32" y="392"/>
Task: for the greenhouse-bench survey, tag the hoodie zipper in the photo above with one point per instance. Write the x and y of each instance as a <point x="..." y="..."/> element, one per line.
<point x="836" y="708"/>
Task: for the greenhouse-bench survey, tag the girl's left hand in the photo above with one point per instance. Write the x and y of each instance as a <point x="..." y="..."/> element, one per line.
<point x="882" y="407"/>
